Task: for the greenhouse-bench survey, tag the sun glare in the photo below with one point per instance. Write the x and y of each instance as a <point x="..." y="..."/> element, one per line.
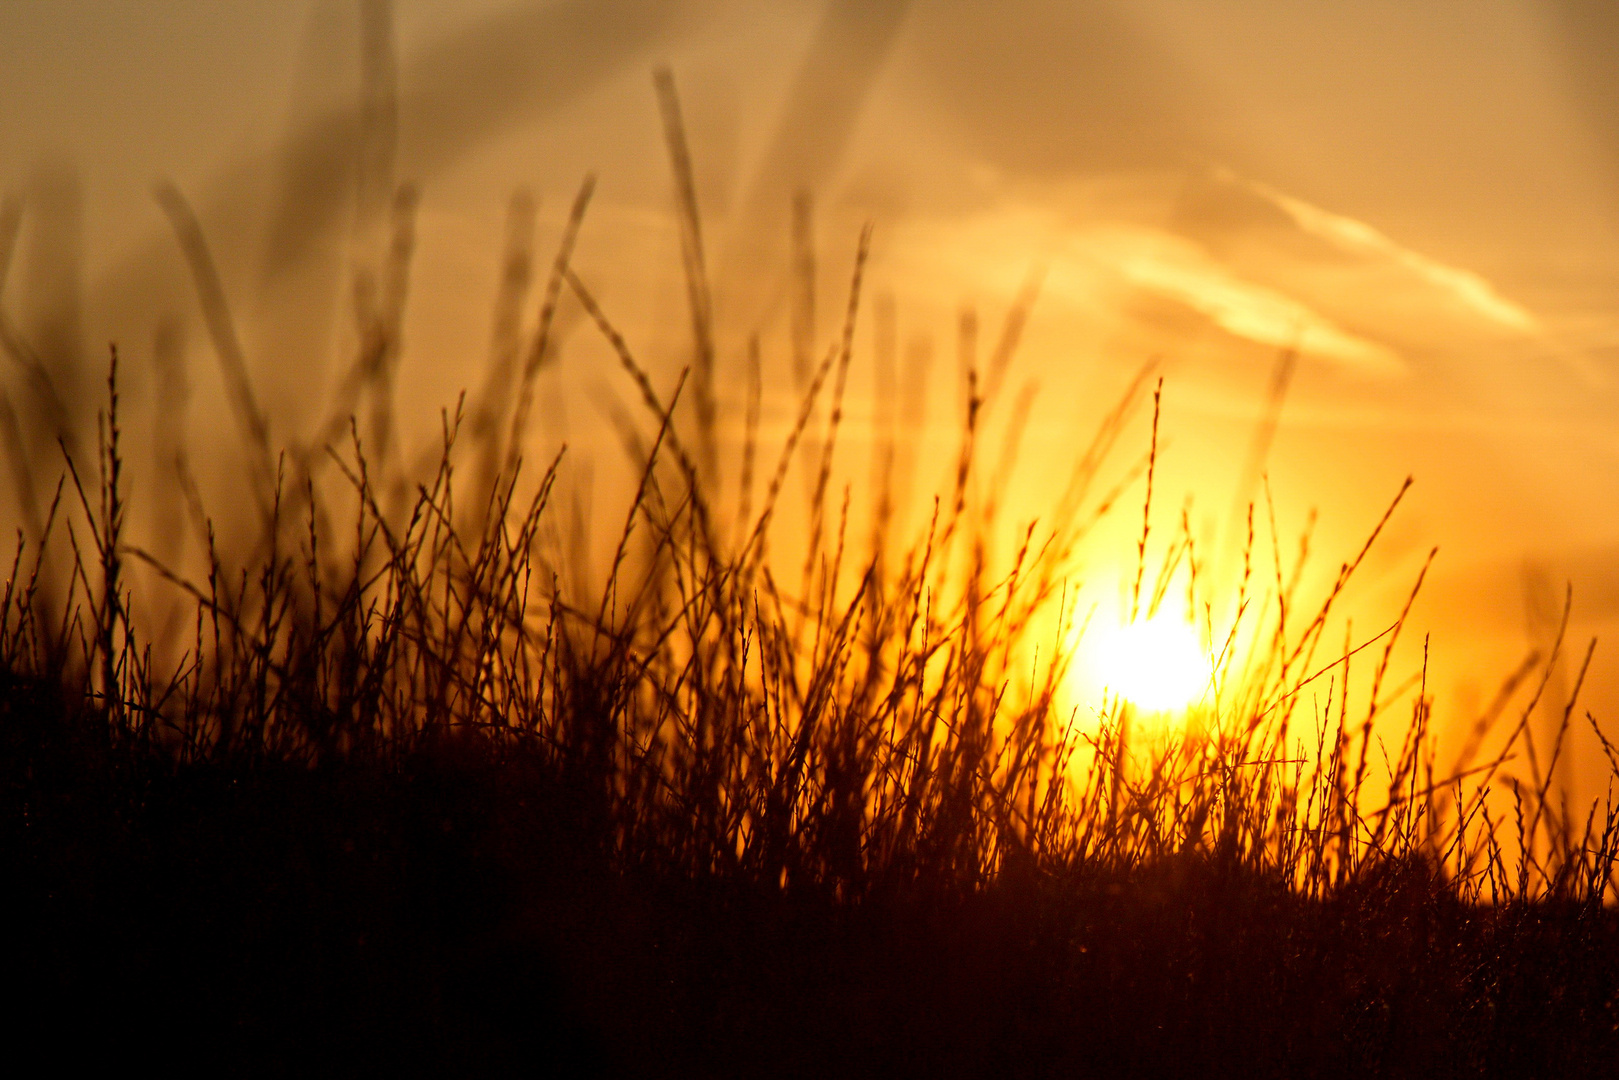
<point x="1157" y="664"/>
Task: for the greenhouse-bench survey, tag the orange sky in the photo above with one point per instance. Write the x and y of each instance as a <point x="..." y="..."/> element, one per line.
<point x="1421" y="198"/>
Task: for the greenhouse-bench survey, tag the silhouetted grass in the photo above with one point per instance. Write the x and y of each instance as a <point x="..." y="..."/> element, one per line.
<point x="408" y="799"/>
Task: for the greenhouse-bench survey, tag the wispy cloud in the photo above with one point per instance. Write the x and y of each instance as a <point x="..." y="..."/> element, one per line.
<point x="1183" y="272"/>
<point x="1472" y="290"/>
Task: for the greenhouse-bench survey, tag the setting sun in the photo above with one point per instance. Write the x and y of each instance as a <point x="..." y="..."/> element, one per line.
<point x="1157" y="664"/>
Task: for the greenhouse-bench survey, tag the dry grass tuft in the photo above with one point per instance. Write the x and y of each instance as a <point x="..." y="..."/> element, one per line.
<point x="848" y="816"/>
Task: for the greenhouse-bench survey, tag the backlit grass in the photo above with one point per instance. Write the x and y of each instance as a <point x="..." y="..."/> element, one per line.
<point x="412" y="791"/>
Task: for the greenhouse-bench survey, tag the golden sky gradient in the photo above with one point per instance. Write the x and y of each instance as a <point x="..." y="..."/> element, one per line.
<point x="1422" y="200"/>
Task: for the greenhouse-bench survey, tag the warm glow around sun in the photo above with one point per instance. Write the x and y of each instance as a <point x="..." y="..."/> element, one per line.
<point x="1157" y="664"/>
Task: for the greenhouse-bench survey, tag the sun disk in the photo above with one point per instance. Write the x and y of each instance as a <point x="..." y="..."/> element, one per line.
<point x="1157" y="664"/>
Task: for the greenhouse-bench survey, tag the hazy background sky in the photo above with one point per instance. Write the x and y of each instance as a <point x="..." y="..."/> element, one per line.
<point x="1421" y="198"/>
